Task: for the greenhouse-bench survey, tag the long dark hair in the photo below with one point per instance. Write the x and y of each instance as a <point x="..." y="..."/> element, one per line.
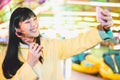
<point x="11" y="62"/>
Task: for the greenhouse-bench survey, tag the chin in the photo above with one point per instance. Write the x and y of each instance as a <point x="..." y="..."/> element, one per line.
<point x="35" y="35"/>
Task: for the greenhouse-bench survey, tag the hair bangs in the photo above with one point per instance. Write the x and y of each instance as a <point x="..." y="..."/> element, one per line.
<point x="26" y="16"/>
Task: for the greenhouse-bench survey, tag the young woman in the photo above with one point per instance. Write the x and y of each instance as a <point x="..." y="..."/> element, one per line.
<point x="41" y="59"/>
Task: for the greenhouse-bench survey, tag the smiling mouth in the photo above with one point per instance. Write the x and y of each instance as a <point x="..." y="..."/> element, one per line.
<point x="33" y="30"/>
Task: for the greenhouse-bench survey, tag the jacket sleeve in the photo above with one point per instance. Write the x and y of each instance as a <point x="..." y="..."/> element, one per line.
<point x="107" y="36"/>
<point x="74" y="46"/>
<point x="25" y="73"/>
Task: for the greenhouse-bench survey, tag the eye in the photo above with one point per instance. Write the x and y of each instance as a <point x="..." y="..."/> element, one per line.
<point x="27" y="21"/>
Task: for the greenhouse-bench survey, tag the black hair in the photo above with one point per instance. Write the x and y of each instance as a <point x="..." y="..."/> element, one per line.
<point x="11" y="61"/>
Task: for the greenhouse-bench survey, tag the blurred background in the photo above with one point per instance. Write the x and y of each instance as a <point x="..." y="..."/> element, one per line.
<point x="65" y="19"/>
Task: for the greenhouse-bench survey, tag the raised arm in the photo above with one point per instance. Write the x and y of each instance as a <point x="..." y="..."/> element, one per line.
<point x="82" y="42"/>
<point x="88" y="39"/>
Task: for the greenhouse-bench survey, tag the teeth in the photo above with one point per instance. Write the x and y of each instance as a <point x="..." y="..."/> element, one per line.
<point x="33" y="30"/>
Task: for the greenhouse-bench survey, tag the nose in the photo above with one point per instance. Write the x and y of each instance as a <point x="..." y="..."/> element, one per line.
<point x="33" y="23"/>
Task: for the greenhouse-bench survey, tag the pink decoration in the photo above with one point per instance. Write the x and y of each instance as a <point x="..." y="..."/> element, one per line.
<point x="41" y="1"/>
<point x="3" y="3"/>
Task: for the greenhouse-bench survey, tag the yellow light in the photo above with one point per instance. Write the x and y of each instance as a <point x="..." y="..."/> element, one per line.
<point x="78" y="13"/>
<point x="84" y="13"/>
<point x="94" y="3"/>
<point x="88" y="19"/>
<point x="4" y="25"/>
<point x="116" y="21"/>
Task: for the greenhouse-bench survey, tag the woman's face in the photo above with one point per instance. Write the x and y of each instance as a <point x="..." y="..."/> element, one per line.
<point x="29" y="27"/>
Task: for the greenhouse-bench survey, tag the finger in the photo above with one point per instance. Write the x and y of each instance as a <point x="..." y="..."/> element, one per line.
<point x="105" y="21"/>
<point x="99" y="10"/>
<point x="105" y="24"/>
<point x="108" y="23"/>
<point x="98" y="15"/>
<point x="39" y="54"/>
<point x="101" y="20"/>
<point x="35" y="47"/>
<point x="106" y="18"/>
<point x="39" y="49"/>
<point x="31" y="46"/>
<point x="105" y="13"/>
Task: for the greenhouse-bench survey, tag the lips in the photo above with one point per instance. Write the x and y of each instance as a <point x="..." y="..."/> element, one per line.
<point x="33" y="30"/>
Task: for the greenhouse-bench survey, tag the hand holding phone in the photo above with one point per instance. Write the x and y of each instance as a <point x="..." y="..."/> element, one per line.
<point x="104" y="17"/>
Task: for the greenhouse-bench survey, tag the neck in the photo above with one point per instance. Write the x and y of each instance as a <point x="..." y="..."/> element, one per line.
<point x="29" y="40"/>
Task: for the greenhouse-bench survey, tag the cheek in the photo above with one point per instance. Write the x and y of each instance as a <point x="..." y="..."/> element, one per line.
<point x="37" y="23"/>
<point x="26" y="34"/>
<point x="25" y="31"/>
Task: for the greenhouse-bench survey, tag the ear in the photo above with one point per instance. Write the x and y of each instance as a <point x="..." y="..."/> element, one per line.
<point x="18" y="32"/>
<point x="17" y="29"/>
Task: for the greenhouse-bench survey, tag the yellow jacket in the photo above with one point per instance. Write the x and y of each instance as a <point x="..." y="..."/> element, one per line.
<point x="54" y="50"/>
